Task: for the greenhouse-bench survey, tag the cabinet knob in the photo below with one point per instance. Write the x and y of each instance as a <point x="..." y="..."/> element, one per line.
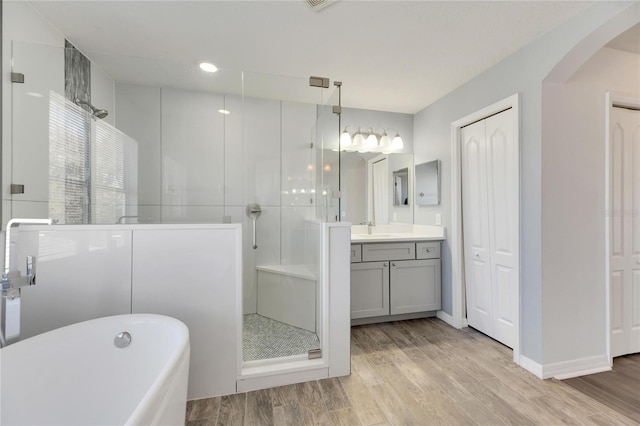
<point x="393" y="264"/>
<point x="385" y="265"/>
<point x="428" y="250"/>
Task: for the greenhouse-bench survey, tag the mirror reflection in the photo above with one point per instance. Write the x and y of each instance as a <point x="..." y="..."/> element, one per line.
<point x="428" y="183"/>
<point x="401" y="187"/>
<point x="376" y="188"/>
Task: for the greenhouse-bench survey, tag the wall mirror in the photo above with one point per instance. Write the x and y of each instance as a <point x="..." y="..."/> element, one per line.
<point x="428" y="183"/>
<point x="369" y="190"/>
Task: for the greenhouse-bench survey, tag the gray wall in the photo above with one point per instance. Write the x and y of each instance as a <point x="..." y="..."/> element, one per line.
<point x="522" y="72"/>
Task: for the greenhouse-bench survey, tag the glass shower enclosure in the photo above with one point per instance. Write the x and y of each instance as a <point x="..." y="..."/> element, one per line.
<point x="256" y="149"/>
<point x="291" y="178"/>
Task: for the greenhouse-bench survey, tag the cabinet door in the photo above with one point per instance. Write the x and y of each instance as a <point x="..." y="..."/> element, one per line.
<point x="369" y="289"/>
<point x="415" y="286"/>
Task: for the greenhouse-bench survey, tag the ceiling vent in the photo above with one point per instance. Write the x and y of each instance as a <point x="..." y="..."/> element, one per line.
<point x="319" y="4"/>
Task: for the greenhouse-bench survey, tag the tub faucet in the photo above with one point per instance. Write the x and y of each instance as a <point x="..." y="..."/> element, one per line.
<point x="123" y="219"/>
<point x="10" y="285"/>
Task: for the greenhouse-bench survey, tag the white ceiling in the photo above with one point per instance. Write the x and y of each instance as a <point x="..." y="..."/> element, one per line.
<point x="390" y="55"/>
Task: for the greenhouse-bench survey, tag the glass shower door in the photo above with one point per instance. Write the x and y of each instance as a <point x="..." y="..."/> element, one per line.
<point x="284" y="121"/>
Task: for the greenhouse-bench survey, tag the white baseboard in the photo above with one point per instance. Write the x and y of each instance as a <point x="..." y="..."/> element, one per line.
<point x="264" y="382"/>
<point x="531" y="366"/>
<point x="449" y="319"/>
<point x="577" y="367"/>
<point x="566" y="369"/>
<point x="446" y="318"/>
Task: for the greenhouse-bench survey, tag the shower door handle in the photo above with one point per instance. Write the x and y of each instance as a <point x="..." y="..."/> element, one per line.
<point x="254" y="211"/>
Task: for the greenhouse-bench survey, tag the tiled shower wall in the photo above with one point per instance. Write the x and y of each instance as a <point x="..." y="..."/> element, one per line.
<point x="198" y="165"/>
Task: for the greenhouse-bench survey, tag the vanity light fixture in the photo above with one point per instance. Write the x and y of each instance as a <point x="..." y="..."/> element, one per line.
<point x="358" y="140"/>
<point x="207" y="67"/>
<point x="385" y="141"/>
<point x="224" y="111"/>
<point x="397" y="143"/>
<point x="370" y="141"/>
<point x="345" y="138"/>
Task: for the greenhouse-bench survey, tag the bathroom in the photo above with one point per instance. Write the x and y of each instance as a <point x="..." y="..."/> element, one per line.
<point x="236" y="153"/>
<point x="238" y="150"/>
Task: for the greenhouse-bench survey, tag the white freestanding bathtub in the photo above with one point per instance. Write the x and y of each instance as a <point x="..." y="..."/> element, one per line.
<point x="76" y="375"/>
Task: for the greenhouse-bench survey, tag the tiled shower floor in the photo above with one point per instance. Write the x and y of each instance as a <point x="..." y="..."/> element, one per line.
<point x="264" y="338"/>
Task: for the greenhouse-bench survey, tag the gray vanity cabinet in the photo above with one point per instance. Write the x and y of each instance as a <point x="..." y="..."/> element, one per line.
<point x="369" y="289"/>
<point x="394" y="280"/>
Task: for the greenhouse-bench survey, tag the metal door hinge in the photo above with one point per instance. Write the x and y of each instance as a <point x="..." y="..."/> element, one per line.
<point x="319" y="82"/>
<point x="314" y="353"/>
<point x="17" y="188"/>
<point x="17" y="77"/>
<point x="337" y="109"/>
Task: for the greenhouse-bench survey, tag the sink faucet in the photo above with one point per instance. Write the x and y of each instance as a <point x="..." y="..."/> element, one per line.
<point x="369" y="226"/>
<point x="10" y="285"/>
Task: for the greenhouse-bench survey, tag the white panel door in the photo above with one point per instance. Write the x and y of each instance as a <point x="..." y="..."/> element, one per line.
<point x="490" y="206"/>
<point x="502" y="205"/>
<point x="380" y="192"/>
<point x="475" y="222"/>
<point x="624" y="209"/>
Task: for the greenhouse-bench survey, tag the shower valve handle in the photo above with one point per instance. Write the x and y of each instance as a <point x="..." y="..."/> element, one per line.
<point x="254" y="211"/>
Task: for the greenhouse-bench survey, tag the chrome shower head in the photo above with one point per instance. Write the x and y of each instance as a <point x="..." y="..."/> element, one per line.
<point x="98" y="113"/>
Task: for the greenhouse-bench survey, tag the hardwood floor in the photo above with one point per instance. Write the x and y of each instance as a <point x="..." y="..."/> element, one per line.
<point x="417" y="372"/>
<point x="618" y="389"/>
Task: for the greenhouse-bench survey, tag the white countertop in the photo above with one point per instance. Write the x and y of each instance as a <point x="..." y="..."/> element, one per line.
<point x="397" y="232"/>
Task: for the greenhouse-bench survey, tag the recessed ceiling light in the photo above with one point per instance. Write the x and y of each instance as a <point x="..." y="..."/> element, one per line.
<point x="224" y="111"/>
<point x="208" y="67"/>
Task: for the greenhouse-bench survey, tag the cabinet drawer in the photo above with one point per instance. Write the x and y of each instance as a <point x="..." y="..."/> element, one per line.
<point x="388" y="251"/>
<point x="430" y="250"/>
<point x="356" y="253"/>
